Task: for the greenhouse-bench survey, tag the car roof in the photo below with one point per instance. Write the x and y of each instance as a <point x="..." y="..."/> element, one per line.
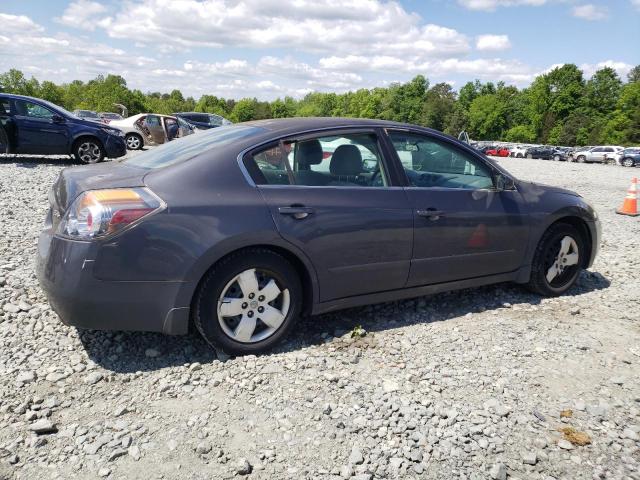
<point x="284" y="126"/>
<point x="18" y="97"/>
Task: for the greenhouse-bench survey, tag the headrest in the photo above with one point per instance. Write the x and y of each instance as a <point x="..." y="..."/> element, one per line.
<point x="309" y="152"/>
<point x="346" y="160"/>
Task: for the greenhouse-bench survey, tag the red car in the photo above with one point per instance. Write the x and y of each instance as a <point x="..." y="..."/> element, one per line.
<point x="497" y="152"/>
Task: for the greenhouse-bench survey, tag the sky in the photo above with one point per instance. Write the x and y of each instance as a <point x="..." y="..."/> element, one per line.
<point x="272" y="48"/>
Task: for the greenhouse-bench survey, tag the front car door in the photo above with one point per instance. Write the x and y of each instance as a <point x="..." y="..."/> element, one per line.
<point x="38" y="129"/>
<point x="463" y="227"/>
<point x="330" y="194"/>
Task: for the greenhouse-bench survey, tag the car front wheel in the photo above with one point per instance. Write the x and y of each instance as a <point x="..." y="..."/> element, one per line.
<point x="556" y="158"/>
<point x="557" y="261"/>
<point x="582" y="159"/>
<point x="628" y="162"/>
<point x="134" y="141"/>
<point x="88" y="150"/>
<point x="248" y="302"/>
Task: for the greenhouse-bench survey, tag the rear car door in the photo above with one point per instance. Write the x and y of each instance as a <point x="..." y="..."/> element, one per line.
<point x="39" y="130"/>
<point x="463" y="227"/>
<point x="330" y="195"/>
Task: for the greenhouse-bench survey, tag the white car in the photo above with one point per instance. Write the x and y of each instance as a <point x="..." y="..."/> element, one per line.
<point x="615" y="157"/>
<point x="146" y="129"/>
<point x="596" y="154"/>
<point x="518" y="152"/>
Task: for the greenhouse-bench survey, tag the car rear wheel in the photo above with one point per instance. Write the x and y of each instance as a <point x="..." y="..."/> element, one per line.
<point x="134" y="141"/>
<point x="4" y="141"/>
<point x="557" y="261"/>
<point x="582" y="159"/>
<point x="557" y="158"/>
<point x="628" y="162"/>
<point x="88" y="150"/>
<point x="248" y="302"/>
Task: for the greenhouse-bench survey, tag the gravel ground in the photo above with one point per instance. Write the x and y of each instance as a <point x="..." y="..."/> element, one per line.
<point x="473" y="384"/>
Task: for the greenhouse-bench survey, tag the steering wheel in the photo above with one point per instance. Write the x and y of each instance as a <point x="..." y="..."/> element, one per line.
<point x="376" y="179"/>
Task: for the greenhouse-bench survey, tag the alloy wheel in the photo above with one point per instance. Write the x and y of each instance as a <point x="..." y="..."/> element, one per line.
<point x="133" y="142"/>
<point x="89" y="152"/>
<point x="252" y="306"/>
<point x="628" y="162"/>
<point x="562" y="260"/>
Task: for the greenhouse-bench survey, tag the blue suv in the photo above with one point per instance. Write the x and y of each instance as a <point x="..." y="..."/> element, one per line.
<point x="34" y="126"/>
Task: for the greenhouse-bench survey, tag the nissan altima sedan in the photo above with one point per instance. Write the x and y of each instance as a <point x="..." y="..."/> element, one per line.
<point x="242" y="229"/>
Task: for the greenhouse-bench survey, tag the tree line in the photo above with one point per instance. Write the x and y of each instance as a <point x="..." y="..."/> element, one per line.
<point x="560" y="107"/>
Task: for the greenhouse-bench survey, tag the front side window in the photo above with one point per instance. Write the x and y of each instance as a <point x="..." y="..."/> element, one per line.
<point x="32" y="110"/>
<point x="431" y="163"/>
<point x="5" y="106"/>
<point x="345" y="160"/>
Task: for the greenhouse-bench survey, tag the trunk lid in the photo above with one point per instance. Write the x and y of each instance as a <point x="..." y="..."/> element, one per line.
<point x="73" y="181"/>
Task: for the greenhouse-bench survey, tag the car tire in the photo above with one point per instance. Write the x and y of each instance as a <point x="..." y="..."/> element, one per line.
<point x="519" y="155"/>
<point x="134" y="141"/>
<point x="628" y="162"/>
<point x="88" y="150"/>
<point x="242" y="277"/>
<point x="582" y="159"/>
<point x="556" y="158"/>
<point x="552" y="270"/>
<point x="4" y="141"/>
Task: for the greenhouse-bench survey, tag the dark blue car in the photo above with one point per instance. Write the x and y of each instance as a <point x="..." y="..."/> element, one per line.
<point x="34" y="126"/>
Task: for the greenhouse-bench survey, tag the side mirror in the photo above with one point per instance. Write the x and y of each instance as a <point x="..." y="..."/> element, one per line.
<point x="504" y="182"/>
<point x="57" y="119"/>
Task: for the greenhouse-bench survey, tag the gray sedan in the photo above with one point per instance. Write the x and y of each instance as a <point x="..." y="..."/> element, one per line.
<point x="242" y="229"/>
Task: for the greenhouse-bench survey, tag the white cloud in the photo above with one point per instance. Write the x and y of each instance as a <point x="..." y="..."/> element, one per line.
<point x="621" y="68"/>
<point x="490" y="5"/>
<point x="18" y="23"/>
<point x="353" y="26"/>
<point x="85" y="15"/>
<point x="636" y="3"/>
<point x="492" y="43"/>
<point x="590" y="12"/>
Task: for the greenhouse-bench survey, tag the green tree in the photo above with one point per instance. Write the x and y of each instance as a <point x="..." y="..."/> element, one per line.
<point x="438" y="106"/>
<point x="634" y="74"/>
<point x="487" y="119"/>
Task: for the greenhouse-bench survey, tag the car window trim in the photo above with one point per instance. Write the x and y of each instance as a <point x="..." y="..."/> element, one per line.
<point x="245" y="157"/>
<point x="441" y="138"/>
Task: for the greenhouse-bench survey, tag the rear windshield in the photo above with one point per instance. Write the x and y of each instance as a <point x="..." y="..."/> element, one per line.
<point x="188" y="147"/>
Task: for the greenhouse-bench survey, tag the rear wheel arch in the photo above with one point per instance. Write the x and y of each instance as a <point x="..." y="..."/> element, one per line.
<point x="303" y="268"/>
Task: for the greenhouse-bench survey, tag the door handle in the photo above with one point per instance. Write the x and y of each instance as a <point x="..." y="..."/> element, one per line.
<point x="431" y="213"/>
<point x="298" y="213"/>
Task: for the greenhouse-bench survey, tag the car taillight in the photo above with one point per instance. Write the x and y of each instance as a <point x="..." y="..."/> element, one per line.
<point x="102" y="213"/>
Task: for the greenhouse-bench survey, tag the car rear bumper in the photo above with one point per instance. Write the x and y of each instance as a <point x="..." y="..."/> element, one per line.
<point x="115" y="147"/>
<point x="65" y="272"/>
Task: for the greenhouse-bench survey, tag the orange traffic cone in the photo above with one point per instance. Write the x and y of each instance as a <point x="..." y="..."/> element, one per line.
<point x="630" y="204"/>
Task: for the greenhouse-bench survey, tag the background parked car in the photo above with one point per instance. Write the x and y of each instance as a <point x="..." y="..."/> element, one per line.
<point x="110" y="116"/>
<point x="34" y="126"/>
<point x="518" y="151"/>
<point x="595" y="154"/>
<point x="147" y="129"/>
<point x="544" y="152"/>
<point x="203" y="121"/>
<point x="615" y="157"/>
<point x="496" y="151"/>
<point x="629" y="157"/>
<point x="88" y="115"/>
<point x="561" y="154"/>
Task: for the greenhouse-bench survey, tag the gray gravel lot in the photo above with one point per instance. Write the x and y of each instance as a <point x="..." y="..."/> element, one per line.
<point x="462" y="385"/>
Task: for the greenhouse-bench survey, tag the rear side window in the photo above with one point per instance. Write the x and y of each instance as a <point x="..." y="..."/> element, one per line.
<point x="5" y="106"/>
<point x="346" y="160"/>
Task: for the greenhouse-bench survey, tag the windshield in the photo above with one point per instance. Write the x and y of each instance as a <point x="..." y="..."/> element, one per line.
<point x="57" y="108"/>
<point x="188" y="147"/>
